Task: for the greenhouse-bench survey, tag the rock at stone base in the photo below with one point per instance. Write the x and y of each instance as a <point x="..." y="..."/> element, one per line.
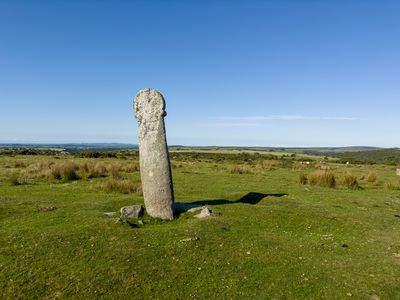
<point x="109" y="213"/>
<point x="132" y="211"/>
<point x="205" y="212"/>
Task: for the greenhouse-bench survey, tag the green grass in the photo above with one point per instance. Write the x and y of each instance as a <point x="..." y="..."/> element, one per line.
<point x="301" y="242"/>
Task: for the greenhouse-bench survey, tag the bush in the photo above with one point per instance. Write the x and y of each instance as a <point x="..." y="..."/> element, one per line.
<point x="303" y="179"/>
<point x="371" y="177"/>
<point x="350" y="181"/>
<point x="123" y="186"/>
<point x="322" y="178"/>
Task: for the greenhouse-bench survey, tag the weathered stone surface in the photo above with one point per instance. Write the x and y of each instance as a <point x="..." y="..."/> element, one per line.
<point x="205" y="212"/>
<point x="398" y="172"/>
<point x="132" y="211"/>
<point x="109" y="213"/>
<point x="155" y="169"/>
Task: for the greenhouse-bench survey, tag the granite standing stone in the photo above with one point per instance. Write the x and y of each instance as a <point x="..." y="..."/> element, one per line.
<point x="155" y="169"/>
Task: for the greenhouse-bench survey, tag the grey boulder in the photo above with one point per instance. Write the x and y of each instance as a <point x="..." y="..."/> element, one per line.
<point x="132" y="211"/>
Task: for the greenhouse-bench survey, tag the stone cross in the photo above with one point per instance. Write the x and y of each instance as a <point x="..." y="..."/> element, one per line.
<point x="398" y="172"/>
<point x="155" y="169"/>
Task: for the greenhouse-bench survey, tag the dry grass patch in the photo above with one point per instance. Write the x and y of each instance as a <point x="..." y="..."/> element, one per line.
<point x="266" y="165"/>
<point x="14" y="179"/>
<point x="322" y="178"/>
<point x="123" y="186"/>
<point x="240" y="170"/>
<point x="371" y="177"/>
<point x="393" y="186"/>
<point x="303" y="179"/>
<point x="350" y="181"/>
<point x="114" y="170"/>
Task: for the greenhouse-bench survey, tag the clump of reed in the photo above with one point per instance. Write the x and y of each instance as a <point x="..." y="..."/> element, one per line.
<point x="322" y="178"/>
<point x="266" y="165"/>
<point x="350" y="181"/>
<point x="13" y="179"/>
<point x="371" y="177"/>
<point x="238" y="169"/>
<point x="123" y="186"/>
<point x="327" y="178"/>
<point x="393" y="186"/>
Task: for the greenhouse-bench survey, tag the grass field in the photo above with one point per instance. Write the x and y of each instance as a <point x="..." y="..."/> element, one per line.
<point x="293" y="242"/>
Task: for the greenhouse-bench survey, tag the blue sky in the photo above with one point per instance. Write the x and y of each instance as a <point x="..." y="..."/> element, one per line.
<point x="265" y="73"/>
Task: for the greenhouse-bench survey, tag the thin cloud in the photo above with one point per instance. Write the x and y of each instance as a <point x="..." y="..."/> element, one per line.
<point x="230" y="124"/>
<point x="283" y="117"/>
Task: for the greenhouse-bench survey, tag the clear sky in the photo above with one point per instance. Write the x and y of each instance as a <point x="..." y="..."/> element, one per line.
<point x="266" y="73"/>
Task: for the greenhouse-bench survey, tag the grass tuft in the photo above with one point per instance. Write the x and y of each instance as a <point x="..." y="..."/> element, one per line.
<point x="68" y="171"/>
<point x="322" y="178"/>
<point x="393" y="186"/>
<point x="14" y="179"/>
<point x="303" y="179"/>
<point x="123" y="186"/>
<point x="350" y="181"/>
<point x="240" y="170"/>
<point x="371" y="177"/>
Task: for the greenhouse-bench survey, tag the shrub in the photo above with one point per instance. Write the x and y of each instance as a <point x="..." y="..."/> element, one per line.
<point x="350" y="181"/>
<point x="303" y="179"/>
<point x="123" y="186"/>
<point x="240" y="170"/>
<point x="371" y="177"/>
<point x="322" y="178"/>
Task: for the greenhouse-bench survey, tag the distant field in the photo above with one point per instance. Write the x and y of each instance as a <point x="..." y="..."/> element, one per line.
<point x="291" y="241"/>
